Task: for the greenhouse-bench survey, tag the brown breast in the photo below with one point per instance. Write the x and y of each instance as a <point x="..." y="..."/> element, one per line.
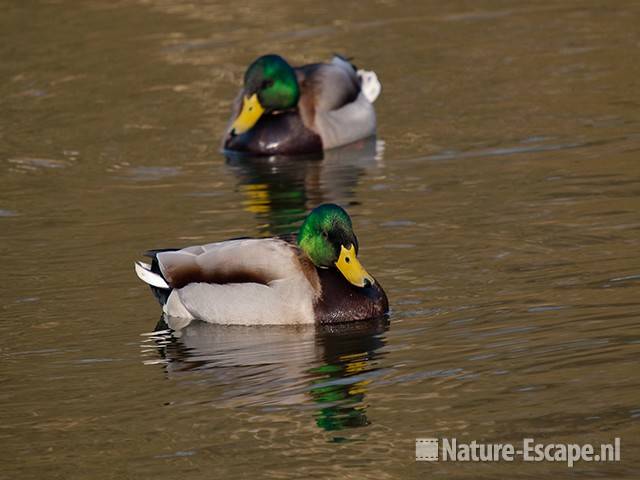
<point x="276" y="134"/>
<point x="343" y="302"/>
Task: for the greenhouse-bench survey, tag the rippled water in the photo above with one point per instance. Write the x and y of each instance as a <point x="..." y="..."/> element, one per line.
<point x="499" y="207"/>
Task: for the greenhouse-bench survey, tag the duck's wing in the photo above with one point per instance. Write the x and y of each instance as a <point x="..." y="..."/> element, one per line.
<point x="248" y="260"/>
<point x="246" y="281"/>
<point x="337" y="101"/>
<point x="328" y="86"/>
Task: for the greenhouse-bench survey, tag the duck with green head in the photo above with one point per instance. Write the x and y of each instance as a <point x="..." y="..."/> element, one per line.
<point x="313" y="276"/>
<point x="282" y="110"/>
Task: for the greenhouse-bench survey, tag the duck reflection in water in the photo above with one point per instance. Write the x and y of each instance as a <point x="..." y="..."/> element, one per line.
<point x="280" y="190"/>
<point x="277" y="366"/>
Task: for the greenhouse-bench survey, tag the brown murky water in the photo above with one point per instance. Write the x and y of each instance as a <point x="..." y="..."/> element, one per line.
<point x="500" y="208"/>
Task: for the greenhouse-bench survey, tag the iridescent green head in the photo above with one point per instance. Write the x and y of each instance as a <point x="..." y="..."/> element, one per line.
<point x="270" y="83"/>
<point x="327" y="237"/>
<point x="275" y="82"/>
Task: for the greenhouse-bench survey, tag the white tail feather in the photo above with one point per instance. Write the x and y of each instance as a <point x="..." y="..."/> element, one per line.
<point x="370" y="85"/>
<point x="143" y="270"/>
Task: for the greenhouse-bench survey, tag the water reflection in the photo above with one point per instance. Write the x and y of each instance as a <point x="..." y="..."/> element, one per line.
<point x="328" y="368"/>
<point x="350" y="357"/>
<point x="281" y="190"/>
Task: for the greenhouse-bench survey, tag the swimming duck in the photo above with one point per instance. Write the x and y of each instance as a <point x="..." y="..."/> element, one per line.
<point x="313" y="276"/>
<point x="282" y="110"/>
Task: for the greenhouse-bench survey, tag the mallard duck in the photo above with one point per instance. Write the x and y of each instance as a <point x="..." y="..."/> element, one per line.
<point x="282" y="110"/>
<point x="313" y="276"/>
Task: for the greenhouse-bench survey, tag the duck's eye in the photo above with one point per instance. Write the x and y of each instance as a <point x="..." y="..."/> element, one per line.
<point x="325" y="234"/>
<point x="266" y="83"/>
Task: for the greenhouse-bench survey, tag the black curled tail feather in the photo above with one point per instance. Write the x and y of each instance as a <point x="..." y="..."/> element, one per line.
<point x="161" y="294"/>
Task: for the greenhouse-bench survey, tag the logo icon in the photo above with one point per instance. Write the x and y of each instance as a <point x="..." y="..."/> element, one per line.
<point x="426" y="449"/>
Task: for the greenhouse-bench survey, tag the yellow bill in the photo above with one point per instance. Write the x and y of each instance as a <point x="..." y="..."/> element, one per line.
<point x="351" y="268"/>
<point x="251" y="112"/>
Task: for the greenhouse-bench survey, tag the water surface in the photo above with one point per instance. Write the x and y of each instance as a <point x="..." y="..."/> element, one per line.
<point x="498" y="207"/>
